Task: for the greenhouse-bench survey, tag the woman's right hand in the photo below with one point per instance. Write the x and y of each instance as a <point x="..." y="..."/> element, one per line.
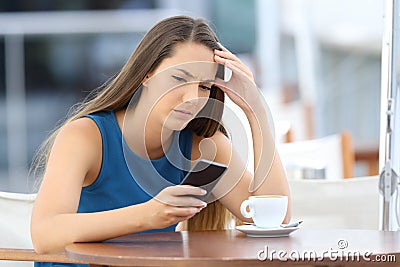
<point x="241" y="87"/>
<point x="174" y="204"/>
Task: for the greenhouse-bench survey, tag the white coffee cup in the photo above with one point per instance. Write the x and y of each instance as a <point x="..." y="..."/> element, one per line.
<point x="267" y="211"/>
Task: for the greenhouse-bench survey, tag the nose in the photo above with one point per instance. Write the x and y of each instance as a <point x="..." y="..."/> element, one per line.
<point x="190" y="93"/>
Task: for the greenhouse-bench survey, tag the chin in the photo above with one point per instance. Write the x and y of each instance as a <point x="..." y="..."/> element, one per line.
<point x="176" y="125"/>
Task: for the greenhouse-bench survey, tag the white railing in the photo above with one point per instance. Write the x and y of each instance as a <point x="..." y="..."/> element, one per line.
<point x="390" y="120"/>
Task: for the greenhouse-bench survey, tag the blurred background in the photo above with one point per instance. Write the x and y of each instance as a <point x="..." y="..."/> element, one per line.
<point x="318" y="63"/>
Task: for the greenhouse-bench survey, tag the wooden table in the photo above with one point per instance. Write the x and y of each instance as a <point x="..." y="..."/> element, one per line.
<point x="232" y="248"/>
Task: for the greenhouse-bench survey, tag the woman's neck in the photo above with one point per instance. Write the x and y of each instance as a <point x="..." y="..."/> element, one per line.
<point x="143" y="136"/>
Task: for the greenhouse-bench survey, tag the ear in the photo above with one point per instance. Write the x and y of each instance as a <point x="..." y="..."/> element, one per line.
<point x="145" y="80"/>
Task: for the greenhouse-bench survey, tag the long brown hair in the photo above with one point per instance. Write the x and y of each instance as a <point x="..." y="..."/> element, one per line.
<point x="156" y="45"/>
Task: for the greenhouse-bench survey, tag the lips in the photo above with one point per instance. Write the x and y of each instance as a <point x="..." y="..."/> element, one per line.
<point x="182" y="112"/>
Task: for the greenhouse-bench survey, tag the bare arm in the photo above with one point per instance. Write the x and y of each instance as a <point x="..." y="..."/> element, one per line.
<point x="73" y="161"/>
<point x="269" y="175"/>
<point x="234" y="186"/>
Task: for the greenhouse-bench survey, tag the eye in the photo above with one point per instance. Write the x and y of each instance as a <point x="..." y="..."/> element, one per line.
<point x="203" y="87"/>
<point x="180" y="79"/>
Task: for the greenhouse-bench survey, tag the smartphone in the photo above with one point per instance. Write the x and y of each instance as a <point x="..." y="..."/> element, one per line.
<point x="205" y="174"/>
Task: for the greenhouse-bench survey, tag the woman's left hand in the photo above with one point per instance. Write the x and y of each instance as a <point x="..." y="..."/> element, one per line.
<point x="240" y="88"/>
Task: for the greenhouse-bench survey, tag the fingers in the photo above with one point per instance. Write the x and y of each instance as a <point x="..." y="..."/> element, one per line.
<point x="225" y="57"/>
<point x="185" y="196"/>
<point x="220" y="59"/>
<point x="174" y="204"/>
<point x="184" y="212"/>
<point x="162" y="215"/>
<point x="226" y="54"/>
<point x="240" y="67"/>
<point x="230" y="64"/>
<point x="244" y="70"/>
<point x="182" y="196"/>
<point x="188" y="190"/>
<point x="186" y="201"/>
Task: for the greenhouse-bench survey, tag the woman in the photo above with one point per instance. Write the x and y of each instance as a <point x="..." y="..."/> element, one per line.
<point x="88" y="192"/>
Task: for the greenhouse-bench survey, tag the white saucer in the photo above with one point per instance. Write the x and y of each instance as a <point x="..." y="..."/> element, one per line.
<point x="254" y="231"/>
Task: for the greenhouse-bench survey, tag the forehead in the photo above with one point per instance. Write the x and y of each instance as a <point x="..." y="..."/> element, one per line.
<point x="185" y="53"/>
<point x="191" y="51"/>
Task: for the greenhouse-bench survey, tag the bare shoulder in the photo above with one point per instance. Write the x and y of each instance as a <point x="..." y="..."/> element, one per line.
<point x="82" y="130"/>
<point x="83" y="124"/>
<point x="79" y="144"/>
<point x="81" y="139"/>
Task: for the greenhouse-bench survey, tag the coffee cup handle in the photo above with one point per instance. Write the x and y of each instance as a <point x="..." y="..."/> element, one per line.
<point x="243" y="209"/>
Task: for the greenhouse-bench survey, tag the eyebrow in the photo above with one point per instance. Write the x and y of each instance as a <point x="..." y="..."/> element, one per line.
<point x="192" y="76"/>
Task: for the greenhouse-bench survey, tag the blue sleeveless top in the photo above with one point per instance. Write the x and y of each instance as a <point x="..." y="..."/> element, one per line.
<point x="115" y="186"/>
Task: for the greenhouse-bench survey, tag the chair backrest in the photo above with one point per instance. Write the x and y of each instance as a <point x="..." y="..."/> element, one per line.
<point x="348" y="203"/>
<point x="333" y="153"/>
<point x="15" y="214"/>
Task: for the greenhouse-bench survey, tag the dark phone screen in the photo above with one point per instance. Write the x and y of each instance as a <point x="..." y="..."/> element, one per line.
<point x="204" y="173"/>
